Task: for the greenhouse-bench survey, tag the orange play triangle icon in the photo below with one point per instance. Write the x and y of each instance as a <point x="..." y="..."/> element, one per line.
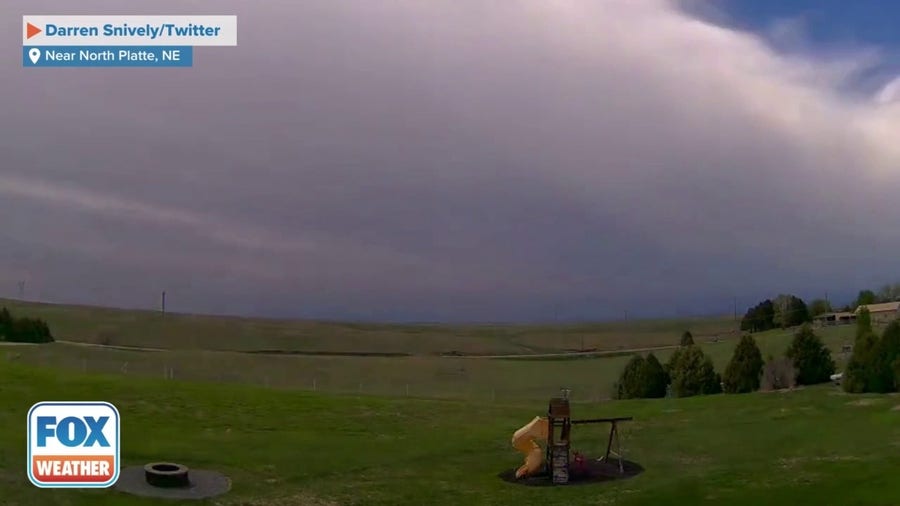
<point x="31" y="30"/>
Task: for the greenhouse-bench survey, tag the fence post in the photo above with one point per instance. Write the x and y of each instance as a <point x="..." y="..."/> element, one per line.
<point x="314" y="384"/>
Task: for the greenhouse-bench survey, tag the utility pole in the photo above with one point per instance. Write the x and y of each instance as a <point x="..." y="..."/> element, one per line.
<point x="21" y="290"/>
<point x="164" y="302"/>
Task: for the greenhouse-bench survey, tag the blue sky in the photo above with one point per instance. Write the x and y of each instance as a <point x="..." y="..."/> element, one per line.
<point x="826" y="22"/>
<point x="817" y="27"/>
<point x="463" y="161"/>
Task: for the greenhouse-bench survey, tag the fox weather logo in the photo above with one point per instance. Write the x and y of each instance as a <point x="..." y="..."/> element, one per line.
<point x="73" y="444"/>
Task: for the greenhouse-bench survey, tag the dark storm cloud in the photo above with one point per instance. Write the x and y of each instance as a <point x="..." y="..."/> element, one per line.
<point x="447" y="160"/>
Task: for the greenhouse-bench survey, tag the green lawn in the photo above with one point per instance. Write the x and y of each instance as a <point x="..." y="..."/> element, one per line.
<point x="811" y="446"/>
<point x="198" y="332"/>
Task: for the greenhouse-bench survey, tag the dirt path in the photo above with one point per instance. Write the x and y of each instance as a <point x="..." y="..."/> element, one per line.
<point x="594" y="353"/>
<point x="522" y="356"/>
<point x="111" y="346"/>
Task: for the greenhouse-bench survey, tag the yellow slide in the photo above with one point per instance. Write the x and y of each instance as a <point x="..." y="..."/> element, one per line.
<point x="524" y="441"/>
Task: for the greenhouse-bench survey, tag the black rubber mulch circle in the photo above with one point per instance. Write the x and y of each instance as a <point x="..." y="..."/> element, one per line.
<point x="203" y="484"/>
<point x="595" y="471"/>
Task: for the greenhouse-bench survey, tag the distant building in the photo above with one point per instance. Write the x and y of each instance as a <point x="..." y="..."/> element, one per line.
<point x="882" y="313"/>
<point x="827" y="319"/>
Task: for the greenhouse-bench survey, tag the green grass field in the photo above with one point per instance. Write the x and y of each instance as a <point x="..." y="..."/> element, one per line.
<point x="425" y="429"/>
<point x="195" y="332"/>
<point x="520" y="379"/>
<point x="811" y="446"/>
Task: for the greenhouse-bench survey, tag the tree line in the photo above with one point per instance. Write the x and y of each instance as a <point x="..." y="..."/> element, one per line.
<point x="23" y="330"/>
<point x="786" y="311"/>
<point x="691" y="372"/>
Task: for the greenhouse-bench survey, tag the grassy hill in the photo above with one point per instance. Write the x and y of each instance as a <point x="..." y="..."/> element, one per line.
<point x="433" y="429"/>
<point x="526" y="378"/>
<point x="152" y="329"/>
<point x="811" y="446"/>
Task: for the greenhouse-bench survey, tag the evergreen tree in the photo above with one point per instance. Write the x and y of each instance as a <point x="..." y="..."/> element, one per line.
<point x="642" y="379"/>
<point x="858" y="374"/>
<point x="863" y="322"/>
<point x="799" y="313"/>
<point x="810" y="357"/>
<point x="655" y="378"/>
<point x="670" y="365"/>
<point x="886" y="352"/>
<point x="693" y="373"/>
<point x="629" y="384"/>
<point x="759" y="318"/>
<point x="6" y="324"/>
<point x="687" y="338"/>
<point x="743" y="372"/>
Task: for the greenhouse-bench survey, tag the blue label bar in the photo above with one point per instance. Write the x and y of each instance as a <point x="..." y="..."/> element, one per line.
<point x="107" y="56"/>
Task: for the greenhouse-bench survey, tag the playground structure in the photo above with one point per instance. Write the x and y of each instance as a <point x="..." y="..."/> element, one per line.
<point x="556" y="430"/>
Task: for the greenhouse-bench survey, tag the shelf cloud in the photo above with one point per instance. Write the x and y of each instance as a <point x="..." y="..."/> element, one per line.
<point x="414" y="160"/>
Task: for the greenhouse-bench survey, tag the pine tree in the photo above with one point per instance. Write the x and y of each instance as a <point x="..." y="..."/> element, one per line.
<point x="858" y="373"/>
<point x="743" y="372"/>
<point x="863" y="322"/>
<point x="693" y="373"/>
<point x="810" y="357"/>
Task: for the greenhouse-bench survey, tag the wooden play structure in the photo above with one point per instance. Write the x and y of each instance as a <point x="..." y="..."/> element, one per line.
<point x="556" y="429"/>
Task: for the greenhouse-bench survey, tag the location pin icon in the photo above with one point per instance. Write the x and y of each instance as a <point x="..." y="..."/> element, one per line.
<point x="35" y="54"/>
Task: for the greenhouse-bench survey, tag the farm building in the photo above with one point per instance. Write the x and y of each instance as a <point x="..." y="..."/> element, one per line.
<point x="882" y="313"/>
<point x="834" y="319"/>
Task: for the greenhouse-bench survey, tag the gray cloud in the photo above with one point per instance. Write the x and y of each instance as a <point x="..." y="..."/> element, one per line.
<point x="447" y="160"/>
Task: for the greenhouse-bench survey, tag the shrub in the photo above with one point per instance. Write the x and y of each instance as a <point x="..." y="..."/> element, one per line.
<point x="6" y="323"/>
<point x="687" y="338"/>
<point x="23" y="330"/>
<point x="742" y="373"/>
<point x="693" y="373"/>
<point x="642" y="378"/>
<point x="31" y="330"/>
<point x="810" y="357"/>
<point x="778" y="373"/>
<point x="105" y="337"/>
